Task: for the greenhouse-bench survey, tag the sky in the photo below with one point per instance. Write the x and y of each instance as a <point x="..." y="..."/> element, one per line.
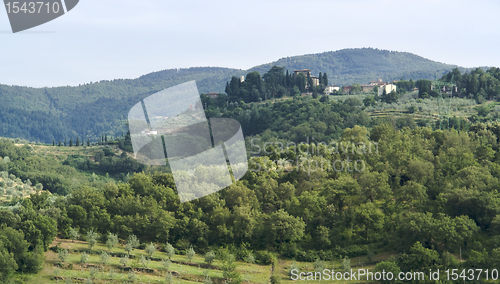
<point x="111" y="39"/>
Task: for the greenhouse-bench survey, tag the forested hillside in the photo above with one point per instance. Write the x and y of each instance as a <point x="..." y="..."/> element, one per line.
<point x="362" y="65"/>
<point x="424" y="196"/>
<point x="327" y="182"/>
<point x="89" y="110"/>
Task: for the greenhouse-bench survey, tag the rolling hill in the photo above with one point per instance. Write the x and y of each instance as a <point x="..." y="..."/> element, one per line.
<point x="363" y="65"/>
<point x="88" y="110"/>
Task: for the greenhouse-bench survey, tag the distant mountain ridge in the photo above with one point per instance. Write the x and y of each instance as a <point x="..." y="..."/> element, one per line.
<point x="88" y="110"/>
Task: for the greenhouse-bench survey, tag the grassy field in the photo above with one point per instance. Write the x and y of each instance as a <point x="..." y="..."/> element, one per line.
<point x="94" y="271"/>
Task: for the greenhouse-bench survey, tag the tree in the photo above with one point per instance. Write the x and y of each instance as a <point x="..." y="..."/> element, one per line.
<point x="71" y="142"/>
<point x="169" y="249"/>
<point x="390" y="98"/>
<point x="169" y="278"/>
<point x="132" y="243"/>
<point x="104" y="258"/>
<point x="63" y="255"/>
<point x="346" y="264"/>
<point x="150" y="249"/>
<point x="310" y="83"/>
<point x="77" y="141"/>
<point x="165" y="264"/>
<point x="129" y="248"/>
<point x="92" y="238"/>
<point x="124" y="259"/>
<point x="300" y="82"/>
<point x="209" y="257"/>
<point x="143" y="261"/>
<point x="281" y="227"/>
<point x="387" y="266"/>
<point x="190" y="254"/>
<point x="84" y="257"/>
<point x="74" y="233"/>
<point x="424" y="86"/>
<point x="112" y="241"/>
<point x="229" y="271"/>
<point x="8" y="264"/>
<point x="356" y="88"/>
<point x="325" y="79"/>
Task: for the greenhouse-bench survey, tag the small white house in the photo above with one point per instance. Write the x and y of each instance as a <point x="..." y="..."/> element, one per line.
<point x="388" y="88"/>
<point x="331" y="88"/>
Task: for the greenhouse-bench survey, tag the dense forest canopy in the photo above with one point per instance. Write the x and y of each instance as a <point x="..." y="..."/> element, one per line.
<point x="423" y="193"/>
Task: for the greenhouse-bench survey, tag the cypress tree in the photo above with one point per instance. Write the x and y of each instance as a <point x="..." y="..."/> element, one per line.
<point x="88" y="142"/>
<point x="53" y="142"/>
<point x="71" y="142"/>
<point x="65" y="144"/>
<point x="59" y="144"/>
<point x="77" y="141"/>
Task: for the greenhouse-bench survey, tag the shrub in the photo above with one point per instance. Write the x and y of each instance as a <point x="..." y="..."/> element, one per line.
<point x="250" y="258"/>
<point x="319" y="265"/>
<point x="346" y="264"/>
<point x="209" y="257"/>
<point x="292" y="267"/>
<point x="275" y="279"/>
<point x="84" y="258"/>
<point x="264" y="257"/>
<point x="207" y="280"/>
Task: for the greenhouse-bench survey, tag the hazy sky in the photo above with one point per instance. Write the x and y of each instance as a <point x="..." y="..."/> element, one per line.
<point x="109" y="39"/>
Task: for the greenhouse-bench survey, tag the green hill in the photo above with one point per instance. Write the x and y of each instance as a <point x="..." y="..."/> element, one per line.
<point x="362" y="65"/>
<point x="89" y="110"/>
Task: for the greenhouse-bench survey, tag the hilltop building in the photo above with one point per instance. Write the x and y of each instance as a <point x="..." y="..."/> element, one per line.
<point x="306" y="73"/>
<point x="213" y="95"/>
